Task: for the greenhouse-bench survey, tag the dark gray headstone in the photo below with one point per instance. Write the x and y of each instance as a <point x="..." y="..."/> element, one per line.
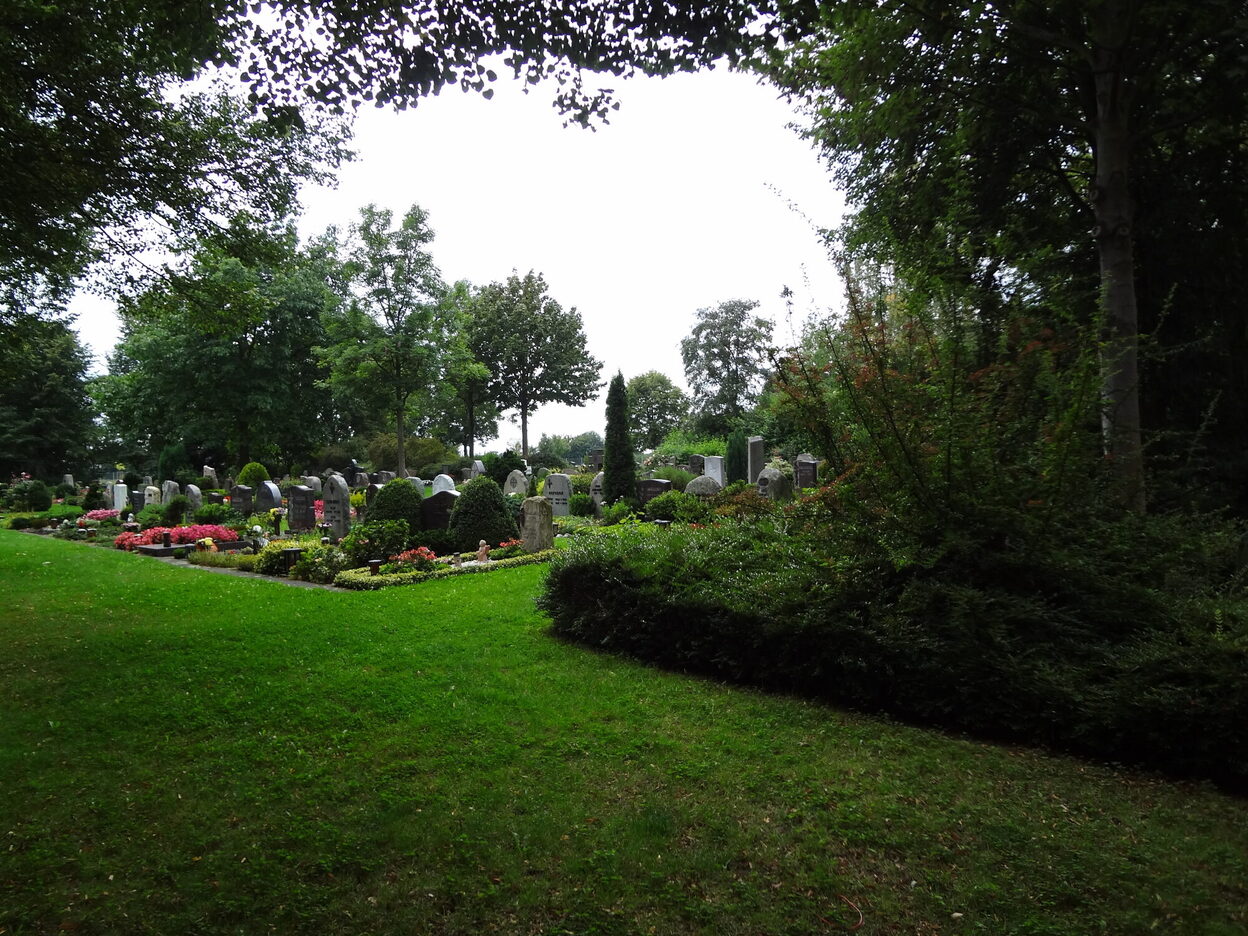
<point x="195" y="496"/>
<point x="337" y="498"/>
<point x="268" y="497"/>
<point x="240" y="499"/>
<point x="385" y="477"/>
<point x="758" y="458"/>
<point x="558" y="490"/>
<point x="137" y="501"/>
<point x="595" y="459"/>
<point x="696" y="463"/>
<point x="537" y="526"/>
<point x="435" y="510"/>
<point x="68" y="480"/>
<point x="806" y="471"/>
<point x="651" y="488"/>
<point x="213" y="497"/>
<point x="302" y="512"/>
<point x="370" y="492"/>
<point x="703" y="486"/>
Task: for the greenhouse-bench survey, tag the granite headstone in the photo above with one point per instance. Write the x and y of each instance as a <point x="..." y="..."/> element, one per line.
<point x="268" y="497"/>
<point x="650" y="488"/>
<point x="516" y="483"/>
<point x="302" y="512"/>
<point x="240" y="499"/>
<point x="558" y="490"/>
<point x="337" y="505"/>
<point x="713" y="467"/>
<point x="195" y="496"/>
<point x="435" y="510"/>
<point x="757" y="458"/>
<point x="537" y="526"/>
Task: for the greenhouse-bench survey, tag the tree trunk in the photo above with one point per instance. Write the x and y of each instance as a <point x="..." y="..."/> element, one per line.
<point x="524" y="432"/>
<point x="470" y="424"/>
<point x="400" y="433"/>
<point x="1115" y="214"/>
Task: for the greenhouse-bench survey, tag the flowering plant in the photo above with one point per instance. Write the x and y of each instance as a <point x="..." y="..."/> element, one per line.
<point x="507" y="549"/>
<point x="420" y="559"/>
<point x="178" y="535"/>
<point x="102" y="514"/>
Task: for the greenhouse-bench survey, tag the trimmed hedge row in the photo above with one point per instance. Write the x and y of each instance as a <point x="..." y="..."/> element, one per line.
<point x="1016" y="648"/>
<point x="362" y="580"/>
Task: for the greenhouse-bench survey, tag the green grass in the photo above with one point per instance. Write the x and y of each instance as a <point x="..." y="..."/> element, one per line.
<point x="182" y="752"/>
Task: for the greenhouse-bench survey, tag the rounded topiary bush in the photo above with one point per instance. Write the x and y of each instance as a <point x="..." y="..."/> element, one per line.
<point x="481" y="513"/>
<point x="397" y="500"/>
<point x="252" y="475"/>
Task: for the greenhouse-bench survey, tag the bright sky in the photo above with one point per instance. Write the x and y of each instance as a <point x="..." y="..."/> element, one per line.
<point x="696" y="192"/>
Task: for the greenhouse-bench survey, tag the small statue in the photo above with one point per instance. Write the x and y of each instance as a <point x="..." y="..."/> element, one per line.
<point x="483" y="551"/>
<point x="457" y="561"/>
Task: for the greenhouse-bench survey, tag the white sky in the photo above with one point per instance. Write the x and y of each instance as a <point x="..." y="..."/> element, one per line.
<point x="696" y="192"/>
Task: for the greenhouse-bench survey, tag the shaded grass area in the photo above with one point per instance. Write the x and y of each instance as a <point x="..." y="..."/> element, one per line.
<point x="193" y="753"/>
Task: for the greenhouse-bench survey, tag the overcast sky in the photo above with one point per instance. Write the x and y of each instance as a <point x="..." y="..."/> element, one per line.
<point x="696" y="192"/>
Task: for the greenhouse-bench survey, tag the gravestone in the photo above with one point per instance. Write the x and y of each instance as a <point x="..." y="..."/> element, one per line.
<point x="68" y="480"/>
<point x="169" y="490"/>
<point x="595" y="491"/>
<point x="595" y="459"/>
<point x="806" y="471"/>
<point x="713" y="467"/>
<point x="443" y="482"/>
<point x="211" y="474"/>
<point x="558" y="491"/>
<point x="337" y="497"/>
<point x="385" y="477"/>
<point x="268" y="497"/>
<point x="358" y="479"/>
<point x="313" y="482"/>
<point x="240" y="499"/>
<point x="697" y="463"/>
<point x="537" y="526"/>
<point x="465" y="474"/>
<point x="121" y="497"/>
<point x="214" y="497"/>
<point x="151" y="495"/>
<point x="516" y="483"/>
<point x="435" y="510"/>
<point x="703" y="486"/>
<point x="370" y="492"/>
<point x="138" y="500"/>
<point x="147" y="480"/>
<point x="774" y="485"/>
<point x="478" y="468"/>
<point x="375" y="478"/>
<point x="195" y="496"/>
<point x="651" y="488"/>
<point x="758" y="458"/>
<point x="302" y="513"/>
<point x="541" y="473"/>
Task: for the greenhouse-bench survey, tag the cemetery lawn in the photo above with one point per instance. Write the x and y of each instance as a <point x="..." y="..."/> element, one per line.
<point x="188" y="753"/>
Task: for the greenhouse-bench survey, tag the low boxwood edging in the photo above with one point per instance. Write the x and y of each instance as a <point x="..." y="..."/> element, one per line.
<point x="362" y="580"/>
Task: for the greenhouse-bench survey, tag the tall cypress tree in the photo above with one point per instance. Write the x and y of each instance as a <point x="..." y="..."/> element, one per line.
<point x="618" y="465"/>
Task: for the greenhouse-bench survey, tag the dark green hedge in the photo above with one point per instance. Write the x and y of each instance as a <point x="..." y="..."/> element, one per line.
<point x="1007" y="645"/>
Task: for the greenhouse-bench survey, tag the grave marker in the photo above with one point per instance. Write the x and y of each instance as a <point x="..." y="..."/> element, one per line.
<point x="595" y="490"/>
<point x="774" y="485"/>
<point x="558" y="491"/>
<point x="211" y="474"/>
<point x="806" y="471"/>
<point x="337" y="498"/>
<point x="516" y="483"/>
<point x="240" y="499"/>
<point x="435" y="510"/>
<point x="713" y="467"/>
<point x="302" y="513"/>
<point x="537" y="525"/>
<point x="169" y="490"/>
<point x="703" y="486"/>
<point x="313" y="482"/>
<point x="151" y="495"/>
<point x="195" y="496"/>
<point x="121" y="497"/>
<point x="758" y="459"/>
<point x="650" y="488"/>
<point x="268" y="497"/>
<point x="443" y="482"/>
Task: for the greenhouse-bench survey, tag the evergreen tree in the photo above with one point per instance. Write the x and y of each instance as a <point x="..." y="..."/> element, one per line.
<point x="619" y="468"/>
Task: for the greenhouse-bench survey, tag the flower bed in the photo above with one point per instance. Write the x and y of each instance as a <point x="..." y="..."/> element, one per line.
<point x="179" y="535"/>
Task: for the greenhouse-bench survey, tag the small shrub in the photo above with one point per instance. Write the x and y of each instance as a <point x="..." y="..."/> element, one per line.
<point x="618" y="512"/>
<point x="420" y="559"/>
<point x="515" y="503"/>
<point x="64" y="512"/>
<point x="175" y="511"/>
<point x="320" y="564"/>
<point x="153" y="515"/>
<point x="581" y="482"/>
<point x="481" y="513"/>
<point x="498" y="467"/>
<point x="375" y="540"/>
<point x="253" y="475"/>
<point x="546" y="460"/>
<point x="678" y="476"/>
<point x="21" y="523"/>
<point x="679" y="508"/>
<point x="31" y="495"/>
<point x="440" y="541"/>
<point x="220" y="514"/>
<point x="270" y="561"/>
<point x="398" y="500"/>
<point x="581" y="505"/>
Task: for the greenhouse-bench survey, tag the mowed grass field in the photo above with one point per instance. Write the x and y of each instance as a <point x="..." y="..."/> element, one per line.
<point x="186" y="752"/>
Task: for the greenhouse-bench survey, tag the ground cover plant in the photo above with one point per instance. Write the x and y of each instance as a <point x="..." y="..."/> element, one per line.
<point x="192" y="753"/>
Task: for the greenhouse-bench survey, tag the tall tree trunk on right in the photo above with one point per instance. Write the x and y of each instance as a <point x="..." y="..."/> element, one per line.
<point x="1115" y="215"/>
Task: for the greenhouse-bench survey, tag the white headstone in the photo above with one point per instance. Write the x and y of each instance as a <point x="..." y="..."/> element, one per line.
<point x="443" y="482"/>
<point x="478" y="468"/>
<point x="121" y="497"/>
<point x="68" y="480"/>
<point x="558" y="490"/>
<point x="595" y="489"/>
<point x="211" y="474"/>
<point x="151" y="495"/>
<point x="713" y="467"/>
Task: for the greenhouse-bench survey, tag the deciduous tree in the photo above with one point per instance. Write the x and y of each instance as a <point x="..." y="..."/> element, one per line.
<point x="725" y="358"/>
<point x="656" y="406"/>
